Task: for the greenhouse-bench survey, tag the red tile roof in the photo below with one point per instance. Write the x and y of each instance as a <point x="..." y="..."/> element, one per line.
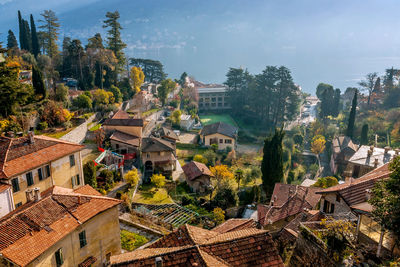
<point x="36" y="226"/>
<point x="234" y="225"/>
<point x="287" y="200"/>
<point x="195" y="169"/>
<point x="120" y="114"/>
<point x="4" y="187"/>
<point x="193" y="246"/>
<point x="18" y="155"/>
<point x="125" y="138"/>
<point x="354" y="190"/>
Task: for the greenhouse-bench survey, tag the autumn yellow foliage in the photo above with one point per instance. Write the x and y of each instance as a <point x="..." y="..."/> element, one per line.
<point x="318" y="144"/>
<point x="137" y="78"/>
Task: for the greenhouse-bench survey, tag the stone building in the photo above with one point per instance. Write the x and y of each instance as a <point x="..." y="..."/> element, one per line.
<point x="286" y="202"/>
<point x="368" y="158"/>
<point x="213" y="97"/>
<point x="343" y="149"/>
<point x="37" y="162"/>
<point x="222" y="134"/>
<point x="198" y="176"/>
<point x="61" y="227"/>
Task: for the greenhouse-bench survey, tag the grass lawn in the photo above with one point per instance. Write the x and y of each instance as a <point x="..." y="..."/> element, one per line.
<point x="149" y="112"/>
<point x="58" y="135"/>
<point x="95" y="127"/>
<point x="150" y="195"/>
<point x="131" y="241"/>
<point x="212" y="118"/>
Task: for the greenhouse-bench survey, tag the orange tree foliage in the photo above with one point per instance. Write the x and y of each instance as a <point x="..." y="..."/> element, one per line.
<point x="53" y="113"/>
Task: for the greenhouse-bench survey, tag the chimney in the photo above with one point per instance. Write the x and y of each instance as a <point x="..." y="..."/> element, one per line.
<point x="369" y="153"/>
<point x="29" y="196"/>
<point x="368" y="194"/>
<point x="31" y="137"/>
<point x="376" y="163"/>
<point x="79" y="200"/>
<point x="349" y="179"/>
<point x="371" y="148"/>
<point x="159" y="262"/>
<point x="36" y="193"/>
<point x="387" y="148"/>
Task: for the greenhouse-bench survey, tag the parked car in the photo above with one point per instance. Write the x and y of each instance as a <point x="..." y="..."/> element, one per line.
<point x="197" y="126"/>
<point x="177" y="132"/>
<point x="161" y="118"/>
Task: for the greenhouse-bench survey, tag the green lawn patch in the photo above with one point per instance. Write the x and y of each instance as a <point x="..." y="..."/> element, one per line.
<point x="131" y="241"/>
<point x="58" y="135"/>
<point x="149" y="112"/>
<point x="213" y="118"/>
<point x="94" y="128"/>
<point x="150" y="195"/>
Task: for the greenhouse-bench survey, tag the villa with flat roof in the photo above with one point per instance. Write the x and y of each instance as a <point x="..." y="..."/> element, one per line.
<point x="213" y="98"/>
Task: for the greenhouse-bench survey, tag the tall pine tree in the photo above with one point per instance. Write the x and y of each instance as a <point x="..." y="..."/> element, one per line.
<point x="11" y="40"/>
<point x="272" y="162"/>
<point x="35" y="39"/>
<point x="114" y="41"/>
<point x="352" y="117"/>
<point x="49" y="34"/>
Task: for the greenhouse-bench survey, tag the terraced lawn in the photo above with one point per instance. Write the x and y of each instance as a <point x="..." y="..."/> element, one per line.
<point x="212" y="118"/>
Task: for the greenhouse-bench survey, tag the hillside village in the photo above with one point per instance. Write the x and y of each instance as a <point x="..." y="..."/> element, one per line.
<point x="103" y="166"/>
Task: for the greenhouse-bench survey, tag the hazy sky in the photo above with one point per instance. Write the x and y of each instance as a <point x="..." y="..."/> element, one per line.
<point x="336" y="42"/>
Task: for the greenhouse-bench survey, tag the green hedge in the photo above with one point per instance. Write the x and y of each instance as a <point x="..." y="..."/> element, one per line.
<point x="131" y="241"/>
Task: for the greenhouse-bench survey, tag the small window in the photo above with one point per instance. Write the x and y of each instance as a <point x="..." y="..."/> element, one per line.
<point x="59" y="257"/>
<point x="117" y="146"/>
<point x="47" y="171"/>
<point x="148" y="155"/>
<point x="108" y="256"/>
<point x="337" y="198"/>
<point x="73" y="181"/>
<point x="228" y="141"/>
<point x="221" y="141"/>
<point x="40" y="174"/>
<point x="82" y="239"/>
<point x="78" y="181"/>
<point x="18" y="204"/>
<point x="15" y="185"/>
<point x="29" y="178"/>
<point x="72" y="160"/>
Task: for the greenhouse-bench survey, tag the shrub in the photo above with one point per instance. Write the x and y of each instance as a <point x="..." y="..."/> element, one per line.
<point x="225" y="197"/>
<point x="89" y="173"/>
<point x="219" y="215"/>
<point x="132" y="177"/>
<point x="210" y="156"/>
<point x="67" y="124"/>
<point x="325" y="182"/>
<point x="200" y="158"/>
<point x="158" y="180"/>
<point x="131" y="241"/>
<point x="42" y="125"/>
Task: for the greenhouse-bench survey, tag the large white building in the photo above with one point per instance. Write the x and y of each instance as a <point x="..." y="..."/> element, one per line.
<point x="212" y="98"/>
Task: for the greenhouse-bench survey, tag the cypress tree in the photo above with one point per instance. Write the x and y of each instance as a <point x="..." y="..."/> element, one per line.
<point x="336" y="103"/>
<point x="21" y="31"/>
<point x="364" y="135"/>
<point x="11" y="40"/>
<point x="38" y="83"/>
<point x="272" y="162"/>
<point x="35" y="40"/>
<point x="27" y="36"/>
<point x="352" y="118"/>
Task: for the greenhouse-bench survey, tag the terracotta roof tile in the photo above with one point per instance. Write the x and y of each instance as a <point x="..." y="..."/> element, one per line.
<point x="125" y="138"/>
<point x="221" y="128"/>
<point x="36" y="226"/>
<point x="354" y="190"/>
<point x="153" y="144"/>
<point x="288" y="200"/>
<point x="235" y="224"/>
<point x="18" y="155"/>
<point x="193" y="246"/>
<point x="4" y="187"/>
<point x="87" y="190"/>
<point x="195" y="169"/>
